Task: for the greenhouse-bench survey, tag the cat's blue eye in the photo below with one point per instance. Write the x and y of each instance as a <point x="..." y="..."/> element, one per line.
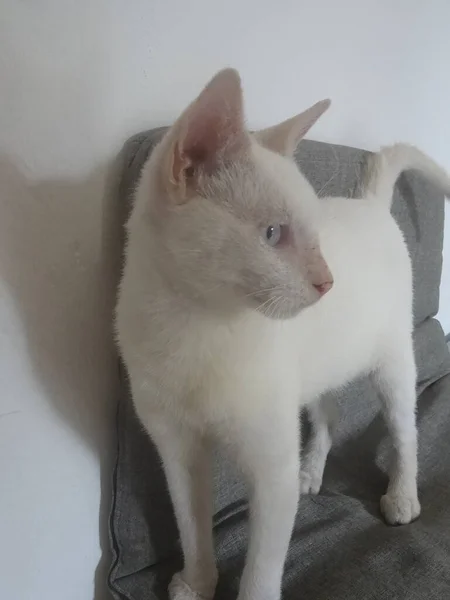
<point x="272" y="234"/>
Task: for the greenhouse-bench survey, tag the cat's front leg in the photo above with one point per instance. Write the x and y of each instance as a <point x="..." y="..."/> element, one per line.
<point x="268" y="449"/>
<point x="186" y="461"/>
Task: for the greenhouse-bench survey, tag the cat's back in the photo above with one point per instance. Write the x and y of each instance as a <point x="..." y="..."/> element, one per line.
<point x="342" y="335"/>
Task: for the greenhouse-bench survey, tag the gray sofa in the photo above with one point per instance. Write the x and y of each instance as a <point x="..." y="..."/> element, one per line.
<point x="341" y="549"/>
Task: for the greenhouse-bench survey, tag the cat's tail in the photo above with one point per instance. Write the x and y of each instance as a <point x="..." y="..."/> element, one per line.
<point x="384" y="168"/>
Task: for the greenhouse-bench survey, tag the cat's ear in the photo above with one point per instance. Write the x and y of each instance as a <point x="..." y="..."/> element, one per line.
<point x="284" y="138"/>
<point x="210" y="131"/>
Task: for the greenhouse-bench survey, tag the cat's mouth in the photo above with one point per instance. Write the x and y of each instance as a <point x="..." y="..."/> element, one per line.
<point x="289" y="304"/>
<point x="285" y="307"/>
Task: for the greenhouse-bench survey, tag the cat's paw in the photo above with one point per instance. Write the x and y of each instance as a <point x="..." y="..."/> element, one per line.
<point x="310" y="482"/>
<point x="400" y="509"/>
<point x="180" y="590"/>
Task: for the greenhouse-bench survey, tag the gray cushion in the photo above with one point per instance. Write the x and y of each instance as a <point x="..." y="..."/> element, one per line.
<point x="341" y="548"/>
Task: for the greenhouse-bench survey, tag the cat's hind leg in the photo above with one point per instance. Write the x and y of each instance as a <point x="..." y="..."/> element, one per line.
<point x="322" y="415"/>
<point x="395" y="379"/>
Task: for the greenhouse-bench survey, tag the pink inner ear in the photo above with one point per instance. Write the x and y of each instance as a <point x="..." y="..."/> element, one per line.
<point x="203" y="138"/>
<point x="210" y="139"/>
<point x="214" y="122"/>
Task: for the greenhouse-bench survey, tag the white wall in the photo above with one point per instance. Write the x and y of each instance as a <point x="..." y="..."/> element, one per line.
<point x="77" y="78"/>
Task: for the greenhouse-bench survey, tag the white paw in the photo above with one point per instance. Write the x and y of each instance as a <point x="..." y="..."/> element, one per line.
<point x="180" y="590"/>
<point x="310" y="483"/>
<point x="400" y="508"/>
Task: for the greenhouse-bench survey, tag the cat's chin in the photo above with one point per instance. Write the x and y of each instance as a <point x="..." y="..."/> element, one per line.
<point x="282" y="309"/>
<point x="283" y="313"/>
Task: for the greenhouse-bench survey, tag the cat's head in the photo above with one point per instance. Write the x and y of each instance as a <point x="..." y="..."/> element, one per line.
<point x="234" y="221"/>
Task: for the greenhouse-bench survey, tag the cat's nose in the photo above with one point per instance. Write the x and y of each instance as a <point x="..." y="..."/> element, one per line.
<point x="319" y="273"/>
<point x="324" y="287"/>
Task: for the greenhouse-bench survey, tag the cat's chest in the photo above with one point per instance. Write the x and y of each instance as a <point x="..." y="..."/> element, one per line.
<point x="219" y="370"/>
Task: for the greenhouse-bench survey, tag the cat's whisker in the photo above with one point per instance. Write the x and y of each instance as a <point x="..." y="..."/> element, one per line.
<point x="277" y="306"/>
<point x="276" y="288"/>
<point x="264" y="304"/>
<point x="262" y="307"/>
<point x="272" y="306"/>
<point x="319" y="193"/>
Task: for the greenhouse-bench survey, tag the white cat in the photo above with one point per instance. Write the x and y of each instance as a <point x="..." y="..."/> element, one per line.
<point x="244" y="297"/>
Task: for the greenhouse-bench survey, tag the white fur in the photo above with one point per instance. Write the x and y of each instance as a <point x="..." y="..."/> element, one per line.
<point x="239" y="378"/>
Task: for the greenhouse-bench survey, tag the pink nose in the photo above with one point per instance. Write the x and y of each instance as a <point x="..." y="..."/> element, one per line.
<point x="318" y="272"/>
<point x="324" y="287"/>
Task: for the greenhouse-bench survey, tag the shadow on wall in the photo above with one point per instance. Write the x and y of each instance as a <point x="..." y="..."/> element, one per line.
<point x="61" y="275"/>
